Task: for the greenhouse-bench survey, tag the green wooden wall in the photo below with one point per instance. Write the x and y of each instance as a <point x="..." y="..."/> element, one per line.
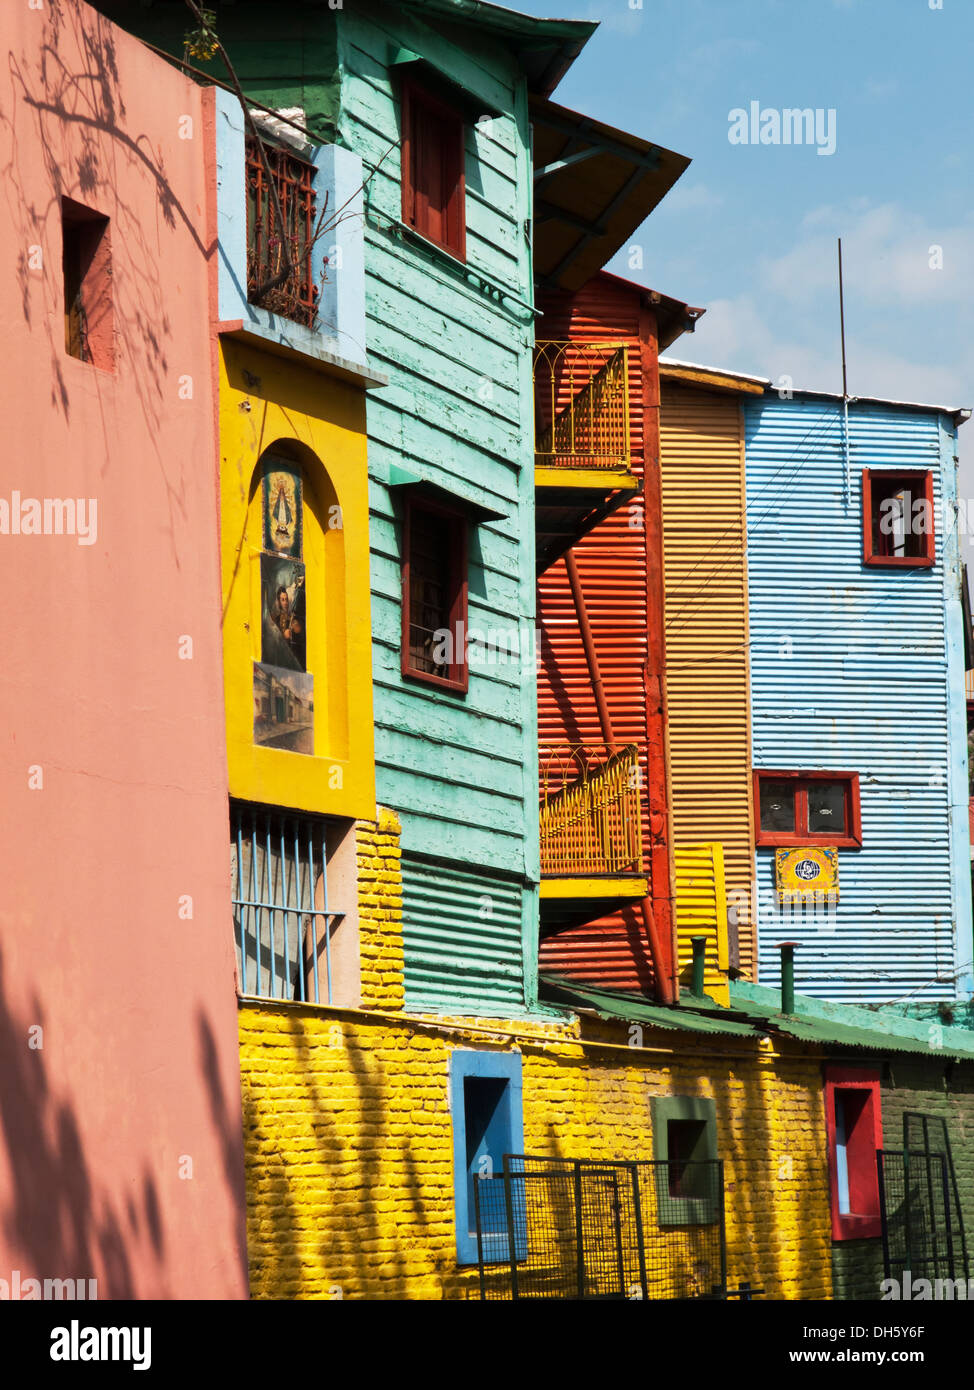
<point x="461" y="770"/>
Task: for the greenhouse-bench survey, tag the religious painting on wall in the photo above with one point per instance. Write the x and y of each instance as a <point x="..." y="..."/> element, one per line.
<point x="283" y="708"/>
<point x="282" y="509"/>
<point x="283" y="686"/>
<point x="283" y="608"/>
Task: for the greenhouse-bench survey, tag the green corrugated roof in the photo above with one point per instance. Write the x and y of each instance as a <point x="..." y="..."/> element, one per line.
<point x="849" y="1025"/>
<point x="634" y="1008"/>
<point x="755" y="1012"/>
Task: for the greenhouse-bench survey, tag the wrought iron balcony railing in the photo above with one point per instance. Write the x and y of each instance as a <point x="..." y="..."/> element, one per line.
<point x="591" y="822"/>
<point x="297" y="297"/>
<point x="581" y="397"/>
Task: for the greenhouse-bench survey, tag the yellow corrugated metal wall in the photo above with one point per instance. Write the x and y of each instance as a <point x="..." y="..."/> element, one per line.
<point x="704" y="539"/>
<point x="701" y="910"/>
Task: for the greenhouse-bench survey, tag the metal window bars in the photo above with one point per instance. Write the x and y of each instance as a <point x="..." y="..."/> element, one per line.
<point x="552" y="1228"/>
<point x="282" y="921"/>
<point x="297" y="297"/>
<point x="581" y="395"/>
<point x="590" y="812"/>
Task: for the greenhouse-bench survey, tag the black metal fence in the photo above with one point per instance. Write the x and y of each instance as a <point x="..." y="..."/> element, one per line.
<point x="918" y="1219"/>
<point x="930" y="1134"/>
<point x="585" y="1229"/>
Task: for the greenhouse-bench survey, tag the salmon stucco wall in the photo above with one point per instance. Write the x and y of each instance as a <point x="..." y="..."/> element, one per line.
<point x="349" y="1136"/>
<point x="121" y="1156"/>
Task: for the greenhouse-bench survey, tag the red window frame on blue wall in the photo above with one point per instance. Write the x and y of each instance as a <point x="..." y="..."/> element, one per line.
<point x="851" y="835"/>
<point x="854" y="1130"/>
<point x="877" y="546"/>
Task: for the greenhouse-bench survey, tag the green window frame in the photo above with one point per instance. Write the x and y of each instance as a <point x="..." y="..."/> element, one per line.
<point x="676" y="1208"/>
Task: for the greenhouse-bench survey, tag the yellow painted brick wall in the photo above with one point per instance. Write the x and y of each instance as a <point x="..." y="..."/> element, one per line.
<point x="350" y="1152"/>
<point x="380" y="911"/>
<point x="349" y="1140"/>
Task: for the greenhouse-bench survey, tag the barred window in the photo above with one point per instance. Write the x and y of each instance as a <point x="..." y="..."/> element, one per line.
<point x="293" y="178"/>
<point x="282" y="920"/>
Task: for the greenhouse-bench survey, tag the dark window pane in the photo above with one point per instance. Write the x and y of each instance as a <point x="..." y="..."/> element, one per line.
<point x="826" y="808"/>
<point x="901" y="520"/>
<point x="687" y="1151"/>
<point x="431" y="594"/>
<point x="488" y="1136"/>
<point x="778" y="806"/>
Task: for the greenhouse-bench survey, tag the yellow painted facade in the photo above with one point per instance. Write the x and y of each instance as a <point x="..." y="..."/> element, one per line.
<point x="701" y="910"/>
<point x="379" y="864"/>
<point x="317" y="422"/>
<point x="349" y="1138"/>
<point x="705" y="596"/>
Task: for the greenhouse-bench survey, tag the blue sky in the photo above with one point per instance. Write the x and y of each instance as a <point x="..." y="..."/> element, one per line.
<point x="749" y="231"/>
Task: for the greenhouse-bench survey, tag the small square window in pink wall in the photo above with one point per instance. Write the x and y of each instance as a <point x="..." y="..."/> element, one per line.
<point x="89" y="311"/>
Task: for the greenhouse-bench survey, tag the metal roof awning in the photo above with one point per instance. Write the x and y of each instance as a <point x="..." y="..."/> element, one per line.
<point x="632" y="1008"/>
<point x="567" y="507"/>
<point x="711" y="378"/>
<point x="827" y="1025"/>
<point x="673" y="316"/>
<point x="545" y="48"/>
<point x="438" y="76"/>
<point x="401" y="478"/>
<point x="593" y="186"/>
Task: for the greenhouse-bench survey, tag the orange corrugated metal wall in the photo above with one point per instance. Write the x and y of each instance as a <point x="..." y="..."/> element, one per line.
<point x="702" y="460"/>
<point x="612" y="564"/>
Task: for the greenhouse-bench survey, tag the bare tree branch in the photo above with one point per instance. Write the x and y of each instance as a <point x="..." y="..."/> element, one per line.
<point x="209" y="36"/>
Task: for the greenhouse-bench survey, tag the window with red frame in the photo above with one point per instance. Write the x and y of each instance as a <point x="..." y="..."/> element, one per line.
<point x="434" y="590"/>
<point x="853" y="1123"/>
<point x="432" y="169"/>
<point x="807" y="808"/>
<point x="897" y="517"/>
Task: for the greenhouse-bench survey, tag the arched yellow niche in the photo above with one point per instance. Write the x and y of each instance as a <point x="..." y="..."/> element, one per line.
<point x="294" y="516"/>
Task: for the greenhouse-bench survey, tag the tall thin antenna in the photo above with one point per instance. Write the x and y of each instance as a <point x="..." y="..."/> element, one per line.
<point x="845" y="387"/>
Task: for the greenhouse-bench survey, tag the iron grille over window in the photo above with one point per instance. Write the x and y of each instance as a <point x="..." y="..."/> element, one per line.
<point x="297" y="297"/>
<point x="281" y="917"/>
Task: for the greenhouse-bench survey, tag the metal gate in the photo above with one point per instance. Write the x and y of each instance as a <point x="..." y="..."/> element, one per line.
<point x="581" y="1228"/>
<point x="929" y="1134"/>
<point x="918" y="1217"/>
<point x="922" y="1221"/>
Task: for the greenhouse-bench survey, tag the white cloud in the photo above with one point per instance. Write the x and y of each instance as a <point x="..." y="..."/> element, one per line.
<point x="886" y="256"/>
<point x="695" y="197"/>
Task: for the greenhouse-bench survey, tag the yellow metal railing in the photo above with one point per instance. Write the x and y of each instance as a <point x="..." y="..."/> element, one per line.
<point x="591" y="822"/>
<point x="969" y="684"/>
<point x="581" y="400"/>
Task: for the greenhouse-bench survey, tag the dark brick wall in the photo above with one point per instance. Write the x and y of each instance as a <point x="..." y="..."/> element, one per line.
<point x="930" y="1086"/>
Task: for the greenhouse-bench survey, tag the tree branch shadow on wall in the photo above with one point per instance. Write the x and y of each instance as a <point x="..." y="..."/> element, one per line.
<point x="767" y="1200"/>
<point x="353" y="1233"/>
<point x="60" y="1216"/>
<point x="72" y="121"/>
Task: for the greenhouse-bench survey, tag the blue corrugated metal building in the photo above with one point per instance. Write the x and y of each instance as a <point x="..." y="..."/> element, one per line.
<point x="856" y="651"/>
